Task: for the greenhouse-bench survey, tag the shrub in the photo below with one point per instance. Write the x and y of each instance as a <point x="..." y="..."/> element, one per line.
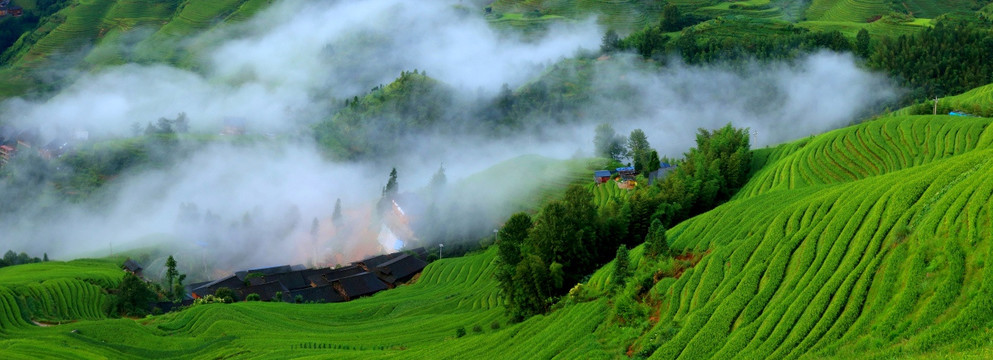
<point x="495" y="325"/>
<point x="477" y="329"/>
<point x="460" y="332"/>
<point x="226" y="294"/>
<point x="253" y="297"/>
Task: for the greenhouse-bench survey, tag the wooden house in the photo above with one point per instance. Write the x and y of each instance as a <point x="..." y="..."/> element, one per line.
<point x="358" y="285"/>
<point x="16" y="11"/>
<point x="627" y="173"/>
<point x="661" y="173"/>
<point x="266" y="291"/>
<point x="601" y="176"/>
<point x="370" y="264"/>
<point x="400" y="269"/>
<point x="320" y="294"/>
<point x="264" y="271"/>
<point x="328" y="275"/>
<point x="231" y="282"/>
<point x="133" y="267"/>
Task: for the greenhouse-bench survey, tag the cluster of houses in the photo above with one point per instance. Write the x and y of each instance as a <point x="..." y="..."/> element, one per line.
<point x="624" y="176"/>
<point x="323" y="285"/>
<point x="14" y="140"/>
<point x="7" y="9"/>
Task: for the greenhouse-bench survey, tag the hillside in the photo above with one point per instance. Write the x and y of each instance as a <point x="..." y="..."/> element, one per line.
<point x="811" y="270"/>
<point x="863" y="242"/>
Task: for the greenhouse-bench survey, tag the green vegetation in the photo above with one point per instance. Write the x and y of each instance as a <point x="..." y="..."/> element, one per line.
<point x="884" y="260"/>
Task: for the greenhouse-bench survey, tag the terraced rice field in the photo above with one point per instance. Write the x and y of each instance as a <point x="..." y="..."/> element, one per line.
<point x="847" y="10"/>
<point x="871" y="149"/>
<point x="932" y="9"/>
<point x="56" y="291"/>
<point x="886" y="260"/>
<point x="411" y="321"/>
<point x="865" y="242"/>
<point x="606" y="192"/>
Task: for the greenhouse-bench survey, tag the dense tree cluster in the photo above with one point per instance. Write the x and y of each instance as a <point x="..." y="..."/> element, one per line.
<point x="541" y="258"/>
<point x="10" y="258"/>
<point x="949" y="58"/>
<point x="944" y="60"/>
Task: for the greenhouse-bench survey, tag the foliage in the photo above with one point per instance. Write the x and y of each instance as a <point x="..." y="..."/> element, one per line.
<point x="225" y="294"/>
<point x="656" y="243"/>
<point x="608" y="144"/>
<point x="10" y="258"/>
<point x="133" y="296"/>
<point x="171" y="272"/>
<point x="621" y="263"/>
<point x="946" y="59"/>
<point x="253" y="297"/>
<point x="336" y="216"/>
<point x="640" y="151"/>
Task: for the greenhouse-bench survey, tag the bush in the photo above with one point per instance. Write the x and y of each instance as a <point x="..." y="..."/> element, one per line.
<point x="253" y="297"/>
<point x="495" y="325"/>
<point x="225" y="294"/>
<point x="477" y="329"/>
<point x="460" y="332"/>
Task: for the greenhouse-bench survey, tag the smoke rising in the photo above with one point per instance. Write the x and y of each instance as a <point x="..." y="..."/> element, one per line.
<point x="232" y="205"/>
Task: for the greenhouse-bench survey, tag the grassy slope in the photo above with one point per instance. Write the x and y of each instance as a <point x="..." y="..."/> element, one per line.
<point x="55" y="291"/>
<point x="869" y="241"/>
<point x="871" y="247"/>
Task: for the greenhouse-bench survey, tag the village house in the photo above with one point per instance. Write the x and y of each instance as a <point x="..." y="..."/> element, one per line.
<point x="6" y="152"/>
<point x="661" y="173"/>
<point x="329" y="275"/>
<point x="370" y="264"/>
<point x="320" y="294"/>
<point x="266" y="292"/>
<point x="264" y="271"/>
<point x="231" y="282"/>
<point x="601" y="176"/>
<point x="400" y="269"/>
<point x="627" y="173"/>
<point x="359" y="285"/>
<point x="133" y="267"/>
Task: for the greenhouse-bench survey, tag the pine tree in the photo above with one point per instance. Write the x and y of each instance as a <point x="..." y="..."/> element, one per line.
<point x="171" y="272"/>
<point x="620" y="266"/>
<point x="656" y="243"/>
<point x="336" y="216"/>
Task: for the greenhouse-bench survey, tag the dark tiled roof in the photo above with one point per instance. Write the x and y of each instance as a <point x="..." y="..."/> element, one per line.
<point x="358" y="285"/>
<point x="231" y="282"/>
<point x="374" y="261"/>
<point x="400" y="269"/>
<point x="326" y="276"/>
<point x="420" y="252"/>
<point x="292" y="280"/>
<point x="320" y="294"/>
<point x="264" y="271"/>
<point x="132" y="266"/>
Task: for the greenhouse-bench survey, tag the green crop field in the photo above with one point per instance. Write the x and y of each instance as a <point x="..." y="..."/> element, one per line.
<point x="868" y="241"/>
